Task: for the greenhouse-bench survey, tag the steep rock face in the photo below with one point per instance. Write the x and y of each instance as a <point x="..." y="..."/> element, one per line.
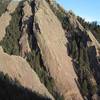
<point x="74" y="22"/>
<point x="17" y="67"/>
<point x="24" y="45"/>
<point x="51" y="40"/>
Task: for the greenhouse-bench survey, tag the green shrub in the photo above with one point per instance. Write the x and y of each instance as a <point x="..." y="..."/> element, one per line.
<point x="85" y="88"/>
<point x="34" y="61"/>
<point x="74" y="50"/>
<point x="10" y="43"/>
<point x="3" y="6"/>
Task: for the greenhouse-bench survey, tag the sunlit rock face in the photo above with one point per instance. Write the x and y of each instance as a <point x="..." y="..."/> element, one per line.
<point x="15" y="66"/>
<point x="51" y="40"/>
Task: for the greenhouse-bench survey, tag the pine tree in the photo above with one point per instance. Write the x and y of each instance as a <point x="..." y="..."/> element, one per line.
<point x="85" y="88"/>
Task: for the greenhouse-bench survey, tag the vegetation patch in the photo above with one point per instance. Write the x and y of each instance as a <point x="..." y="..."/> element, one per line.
<point x="35" y="61"/>
<point x="10" y="43"/>
<point x="78" y="50"/>
<point x="3" y="6"/>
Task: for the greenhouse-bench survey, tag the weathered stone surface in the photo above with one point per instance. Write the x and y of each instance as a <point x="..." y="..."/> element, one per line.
<point x="24" y="44"/>
<point x="73" y="21"/>
<point x="51" y="40"/>
<point x="17" y="67"/>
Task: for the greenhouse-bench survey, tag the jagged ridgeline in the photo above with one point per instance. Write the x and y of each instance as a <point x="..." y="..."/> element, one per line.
<point x="12" y="90"/>
<point x="3" y="5"/>
<point x="84" y="57"/>
<point x="93" y="26"/>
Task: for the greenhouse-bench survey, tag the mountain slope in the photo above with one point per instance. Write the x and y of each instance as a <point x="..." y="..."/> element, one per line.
<point x="51" y="40"/>
<point x="83" y="48"/>
<point x="49" y="51"/>
<point x="17" y="67"/>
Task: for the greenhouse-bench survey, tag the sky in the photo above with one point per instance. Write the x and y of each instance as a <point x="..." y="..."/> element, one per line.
<point x="87" y="9"/>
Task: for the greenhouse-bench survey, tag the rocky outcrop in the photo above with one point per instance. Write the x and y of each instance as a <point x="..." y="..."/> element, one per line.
<point x="94" y="42"/>
<point x="17" y="68"/>
<point x="73" y="21"/>
<point x="24" y="44"/>
<point x="76" y="24"/>
<point x="51" y="40"/>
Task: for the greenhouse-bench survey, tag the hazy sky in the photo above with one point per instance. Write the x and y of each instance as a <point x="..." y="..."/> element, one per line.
<point x="88" y="9"/>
